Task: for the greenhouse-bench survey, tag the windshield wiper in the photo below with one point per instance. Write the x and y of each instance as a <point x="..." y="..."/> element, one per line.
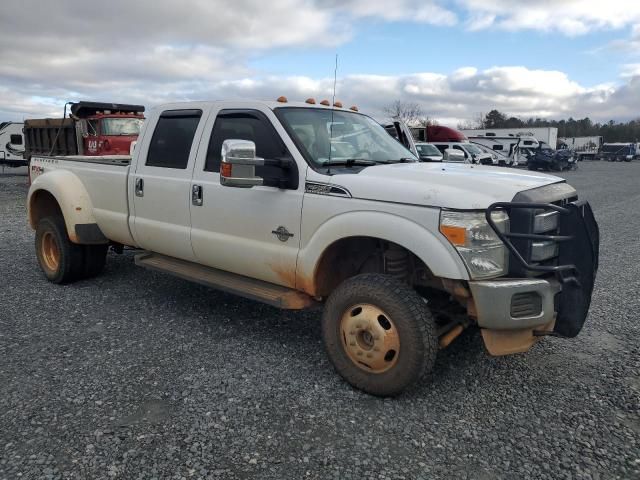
<point x="400" y="160"/>
<point x="350" y="162"/>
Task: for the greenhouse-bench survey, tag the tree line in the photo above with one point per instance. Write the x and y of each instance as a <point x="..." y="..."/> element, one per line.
<point x="611" y="131"/>
<point x="413" y="114"/>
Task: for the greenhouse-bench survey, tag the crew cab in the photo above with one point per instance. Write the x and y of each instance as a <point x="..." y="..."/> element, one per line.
<point x="265" y="200"/>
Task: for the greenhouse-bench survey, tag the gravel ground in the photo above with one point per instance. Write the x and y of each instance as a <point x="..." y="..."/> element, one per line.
<point x="138" y="375"/>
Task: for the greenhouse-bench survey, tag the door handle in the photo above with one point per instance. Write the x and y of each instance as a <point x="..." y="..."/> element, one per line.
<point x="139" y="187"/>
<point x="196" y="195"/>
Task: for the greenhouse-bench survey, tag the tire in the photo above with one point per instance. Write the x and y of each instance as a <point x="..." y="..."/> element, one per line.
<point x="383" y="319"/>
<point x="59" y="258"/>
<point x="95" y="257"/>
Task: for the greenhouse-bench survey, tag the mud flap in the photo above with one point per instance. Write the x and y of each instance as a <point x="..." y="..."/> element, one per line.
<point x="582" y="251"/>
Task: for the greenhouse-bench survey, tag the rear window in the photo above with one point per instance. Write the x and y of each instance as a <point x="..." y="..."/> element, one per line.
<point x="172" y="139"/>
<point x="16" y="139"/>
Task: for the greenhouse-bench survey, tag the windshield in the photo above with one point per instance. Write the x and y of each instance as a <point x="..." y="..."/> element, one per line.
<point x="352" y="135"/>
<point x="472" y="149"/>
<point x="121" y="126"/>
<point x="428" y="149"/>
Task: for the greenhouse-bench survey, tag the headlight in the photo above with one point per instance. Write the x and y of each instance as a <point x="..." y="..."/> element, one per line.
<point x="482" y="251"/>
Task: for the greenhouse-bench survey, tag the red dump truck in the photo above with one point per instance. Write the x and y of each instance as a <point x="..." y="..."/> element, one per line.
<point x="92" y="129"/>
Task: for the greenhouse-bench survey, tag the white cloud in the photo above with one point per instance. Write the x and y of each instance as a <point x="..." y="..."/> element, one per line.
<point x="567" y="17"/>
<point x="127" y="51"/>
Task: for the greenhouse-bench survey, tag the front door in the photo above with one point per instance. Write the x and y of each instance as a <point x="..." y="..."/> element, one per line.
<point x="160" y="187"/>
<point x="250" y="231"/>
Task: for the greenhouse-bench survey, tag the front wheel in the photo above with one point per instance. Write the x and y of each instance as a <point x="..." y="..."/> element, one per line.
<point x="379" y="334"/>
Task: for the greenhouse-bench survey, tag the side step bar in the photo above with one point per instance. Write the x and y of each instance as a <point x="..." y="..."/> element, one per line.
<point x="269" y="293"/>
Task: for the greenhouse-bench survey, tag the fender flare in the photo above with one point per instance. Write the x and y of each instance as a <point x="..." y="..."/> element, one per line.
<point x="74" y="203"/>
<point x="434" y="250"/>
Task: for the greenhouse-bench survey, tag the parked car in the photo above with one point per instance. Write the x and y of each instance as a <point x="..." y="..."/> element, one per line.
<point x="253" y="198"/>
<point x="463" y="152"/>
<point x="428" y="152"/>
<point x="497" y="158"/>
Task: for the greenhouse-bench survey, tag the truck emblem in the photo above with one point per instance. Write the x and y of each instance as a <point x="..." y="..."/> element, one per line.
<point x="282" y="233"/>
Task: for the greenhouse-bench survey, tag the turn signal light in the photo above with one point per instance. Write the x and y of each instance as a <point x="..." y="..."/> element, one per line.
<point x="225" y="169"/>
<point x="456" y="235"/>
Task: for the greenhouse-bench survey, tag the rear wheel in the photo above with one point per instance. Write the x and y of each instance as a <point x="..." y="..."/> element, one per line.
<point x="59" y="258"/>
<point x="379" y="334"/>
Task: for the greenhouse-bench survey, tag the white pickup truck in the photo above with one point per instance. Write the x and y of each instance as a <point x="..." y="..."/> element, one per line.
<point x="300" y="205"/>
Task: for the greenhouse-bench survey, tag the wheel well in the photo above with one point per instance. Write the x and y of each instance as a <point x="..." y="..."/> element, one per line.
<point x="43" y="204"/>
<point x="351" y="256"/>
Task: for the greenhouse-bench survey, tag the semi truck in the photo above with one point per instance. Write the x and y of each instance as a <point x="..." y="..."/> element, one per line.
<point x="92" y="129"/>
<point x="252" y="198"/>
<point x="583" y="148"/>
<point x="453" y="144"/>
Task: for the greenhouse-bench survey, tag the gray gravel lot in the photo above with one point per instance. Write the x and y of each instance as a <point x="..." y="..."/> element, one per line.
<point x="137" y="375"/>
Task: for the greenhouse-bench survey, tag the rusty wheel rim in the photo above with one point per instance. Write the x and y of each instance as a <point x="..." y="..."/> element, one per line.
<point x="50" y="252"/>
<point x="370" y="338"/>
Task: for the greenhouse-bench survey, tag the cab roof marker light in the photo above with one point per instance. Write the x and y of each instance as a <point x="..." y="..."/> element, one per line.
<point x="282" y="99"/>
<point x="337" y="104"/>
<point x="325" y="103"/>
<point x="354" y="108"/>
<point x="310" y="101"/>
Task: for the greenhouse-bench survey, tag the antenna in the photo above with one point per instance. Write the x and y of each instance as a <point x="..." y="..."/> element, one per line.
<point x="333" y="101"/>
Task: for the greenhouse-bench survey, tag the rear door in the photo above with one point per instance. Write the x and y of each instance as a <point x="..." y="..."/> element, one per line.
<point x="160" y="186"/>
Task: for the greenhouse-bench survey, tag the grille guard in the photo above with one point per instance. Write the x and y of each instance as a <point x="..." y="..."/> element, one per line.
<point x="579" y="244"/>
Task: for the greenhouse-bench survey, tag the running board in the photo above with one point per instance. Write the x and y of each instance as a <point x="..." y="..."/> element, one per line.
<point x="269" y="293"/>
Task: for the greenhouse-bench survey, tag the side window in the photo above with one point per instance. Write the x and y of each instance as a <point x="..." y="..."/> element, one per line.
<point x="172" y="139"/>
<point x="15" y="139"/>
<point x="246" y="125"/>
<point x="497" y="147"/>
<point x="442" y="148"/>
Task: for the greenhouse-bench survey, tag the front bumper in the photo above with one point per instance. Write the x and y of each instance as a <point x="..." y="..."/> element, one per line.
<point x="514" y="304"/>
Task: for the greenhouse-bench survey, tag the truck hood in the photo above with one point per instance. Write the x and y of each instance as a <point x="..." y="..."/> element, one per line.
<point x="446" y="185"/>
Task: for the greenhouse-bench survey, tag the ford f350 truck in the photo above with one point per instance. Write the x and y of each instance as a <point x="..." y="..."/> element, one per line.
<point x="301" y="205"/>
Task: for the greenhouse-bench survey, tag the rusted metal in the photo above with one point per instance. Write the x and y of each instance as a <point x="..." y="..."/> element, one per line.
<point x="508" y="342"/>
<point x="50" y="252"/>
<point x="446" y="339"/>
<point x="370" y="338"/>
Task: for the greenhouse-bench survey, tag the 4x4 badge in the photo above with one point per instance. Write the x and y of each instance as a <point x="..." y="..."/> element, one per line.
<point x="282" y="233"/>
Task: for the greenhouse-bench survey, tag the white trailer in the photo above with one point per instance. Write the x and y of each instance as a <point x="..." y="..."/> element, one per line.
<point x="12" y="144"/>
<point x="585" y="148"/>
<point x="548" y="135"/>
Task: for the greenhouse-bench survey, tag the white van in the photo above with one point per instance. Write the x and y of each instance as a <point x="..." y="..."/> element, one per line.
<point x="463" y="152"/>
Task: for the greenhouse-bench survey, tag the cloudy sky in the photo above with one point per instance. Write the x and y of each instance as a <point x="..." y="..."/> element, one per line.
<point x="457" y="59"/>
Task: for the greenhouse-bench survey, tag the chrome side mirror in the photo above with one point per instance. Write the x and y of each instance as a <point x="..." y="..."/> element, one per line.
<point x="239" y="161"/>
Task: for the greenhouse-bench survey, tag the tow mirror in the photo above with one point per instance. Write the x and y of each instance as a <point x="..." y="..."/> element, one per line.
<point x="453" y="155"/>
<point x="239" y="161"/>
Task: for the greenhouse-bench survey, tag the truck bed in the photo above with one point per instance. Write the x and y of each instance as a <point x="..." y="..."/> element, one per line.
<point x="105" y="180"/>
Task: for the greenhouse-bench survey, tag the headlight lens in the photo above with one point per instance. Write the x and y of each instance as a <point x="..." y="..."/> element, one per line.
<point x="482" y="251"/>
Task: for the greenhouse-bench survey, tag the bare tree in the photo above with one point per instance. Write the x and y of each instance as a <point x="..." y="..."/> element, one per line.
<point x="425" y="122"/>
<point x="409" y="113"/>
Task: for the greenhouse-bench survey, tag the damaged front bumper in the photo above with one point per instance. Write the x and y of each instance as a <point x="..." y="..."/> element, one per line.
<point x="554" y="297"/>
